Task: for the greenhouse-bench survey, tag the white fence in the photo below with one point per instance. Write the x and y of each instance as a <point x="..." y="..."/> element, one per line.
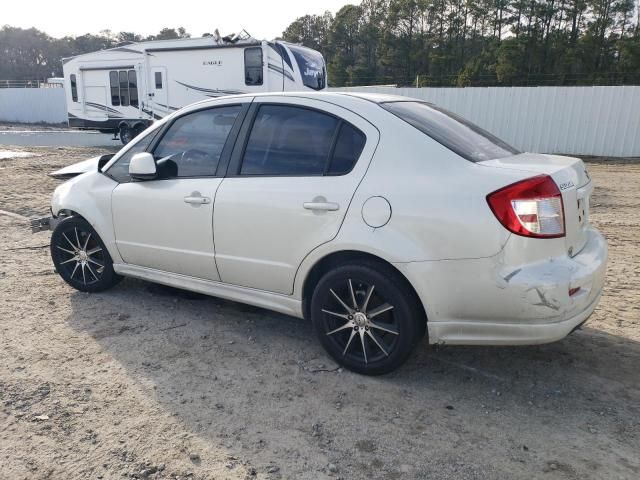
<point x="571" y="120"/>
<point x="33" y="105"/>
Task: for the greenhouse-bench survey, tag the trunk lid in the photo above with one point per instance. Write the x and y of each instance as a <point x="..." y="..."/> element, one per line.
<point x="573" y="181"/>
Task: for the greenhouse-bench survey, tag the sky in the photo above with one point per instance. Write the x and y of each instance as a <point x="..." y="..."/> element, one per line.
<point x="262" y="19"/>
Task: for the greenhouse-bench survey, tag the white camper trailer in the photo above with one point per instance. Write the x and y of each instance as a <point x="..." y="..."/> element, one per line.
<point x="123" y="89"/>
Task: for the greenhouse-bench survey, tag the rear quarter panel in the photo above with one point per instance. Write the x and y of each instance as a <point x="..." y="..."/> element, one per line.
<point x="438" y="202"/>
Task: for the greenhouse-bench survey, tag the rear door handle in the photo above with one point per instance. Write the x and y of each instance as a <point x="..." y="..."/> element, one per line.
<point x="322" y="206"/>
<point x="196" y="199"/>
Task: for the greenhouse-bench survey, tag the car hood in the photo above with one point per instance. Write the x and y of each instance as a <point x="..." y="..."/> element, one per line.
<point x="79" y="168"/>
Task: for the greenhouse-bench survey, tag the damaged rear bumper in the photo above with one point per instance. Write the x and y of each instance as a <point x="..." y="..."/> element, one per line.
<point x="487" y="302"/>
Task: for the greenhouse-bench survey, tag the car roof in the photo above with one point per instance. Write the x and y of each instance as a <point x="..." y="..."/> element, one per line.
<point x="334" y="97"/>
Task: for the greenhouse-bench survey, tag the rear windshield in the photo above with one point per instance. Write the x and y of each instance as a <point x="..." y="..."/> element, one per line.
<point x="311" y="65"/>
<point x="454" y="132"/>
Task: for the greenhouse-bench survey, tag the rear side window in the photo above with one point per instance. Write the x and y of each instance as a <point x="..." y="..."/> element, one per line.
<point x="455" y="133"/>
<point x="348" y="148"/>
<point x="158" y="80"/>
<point x="193" y="144"/>
<point x="253" y="66"/>
<point x="74" y="88"/>
<point x="287" y="140"/>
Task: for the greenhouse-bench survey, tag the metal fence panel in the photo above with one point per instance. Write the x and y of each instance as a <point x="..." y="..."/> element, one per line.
<point x="33" y="105"/>
<point x="571" y="120"/>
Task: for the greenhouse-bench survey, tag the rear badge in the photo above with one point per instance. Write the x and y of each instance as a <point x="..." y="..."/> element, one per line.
<point x="565" y="185"/>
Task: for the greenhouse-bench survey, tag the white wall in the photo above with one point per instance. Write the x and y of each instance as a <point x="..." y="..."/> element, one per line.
<point x="571" y="120"/>
<point x="33" y="105"/>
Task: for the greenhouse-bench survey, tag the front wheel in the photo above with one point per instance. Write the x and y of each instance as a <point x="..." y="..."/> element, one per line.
<point x="367" y="317"/>
<point x="80" y="256"/>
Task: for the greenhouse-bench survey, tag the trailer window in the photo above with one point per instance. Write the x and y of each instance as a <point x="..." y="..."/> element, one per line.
<point x="115" y="88"/>
<point x="124" y="89"/>
<point x="74" y="88"/>
<point x="158" y="76"/>
<point x="133" y="88"/>
<point x="253" y="66"/>
<point x="311" y="65"/>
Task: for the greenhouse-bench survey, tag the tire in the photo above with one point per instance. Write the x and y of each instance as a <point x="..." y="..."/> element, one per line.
<point x="126" y="134"/>
<point x="386" y="327"/>
<point x="80" y="256"/>
<point x="137" y="130"/>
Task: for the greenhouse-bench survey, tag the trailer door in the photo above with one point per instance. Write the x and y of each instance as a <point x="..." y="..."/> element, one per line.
<point x="159" y="91"/>
<point x="94" y="95"/>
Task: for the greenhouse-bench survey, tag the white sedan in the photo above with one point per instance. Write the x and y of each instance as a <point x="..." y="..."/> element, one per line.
<point x="379" y="218"/>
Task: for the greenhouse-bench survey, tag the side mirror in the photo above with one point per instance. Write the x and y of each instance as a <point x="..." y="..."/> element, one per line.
<point x="142" y="166"/>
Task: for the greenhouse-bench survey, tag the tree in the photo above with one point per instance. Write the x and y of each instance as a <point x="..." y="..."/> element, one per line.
<point x="479" y="42"/>
<point x="429" y="42"/>
<point x="170" y="34"/>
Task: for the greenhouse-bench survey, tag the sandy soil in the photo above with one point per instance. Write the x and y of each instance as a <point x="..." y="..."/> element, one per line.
<point x="149" y="382"/>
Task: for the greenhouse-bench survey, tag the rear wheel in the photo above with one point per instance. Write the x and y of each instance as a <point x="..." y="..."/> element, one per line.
<point x="367" y="317"/>
<point x="126" y="134"/>
<point x="80" y="256"/>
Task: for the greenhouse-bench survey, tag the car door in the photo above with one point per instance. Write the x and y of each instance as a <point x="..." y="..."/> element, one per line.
<point x="292" y="176"/>
<point x="166" y="223"/>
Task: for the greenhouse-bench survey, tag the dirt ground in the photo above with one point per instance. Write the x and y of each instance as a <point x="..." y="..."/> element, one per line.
<point x="149" y="382"/>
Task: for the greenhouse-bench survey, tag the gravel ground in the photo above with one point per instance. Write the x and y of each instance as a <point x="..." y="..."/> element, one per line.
<point x="144" y="381"/>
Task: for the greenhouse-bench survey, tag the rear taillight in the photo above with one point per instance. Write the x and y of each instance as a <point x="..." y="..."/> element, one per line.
<point x="531" y="207"/>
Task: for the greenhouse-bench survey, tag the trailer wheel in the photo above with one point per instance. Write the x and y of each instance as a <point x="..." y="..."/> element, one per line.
<point x="126" y="134"/>
<point x="138" y="129"/>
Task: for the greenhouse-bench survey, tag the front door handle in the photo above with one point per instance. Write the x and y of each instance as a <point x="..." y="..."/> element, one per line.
<point x="196" y="199"/>
<point x="321" y="206"/>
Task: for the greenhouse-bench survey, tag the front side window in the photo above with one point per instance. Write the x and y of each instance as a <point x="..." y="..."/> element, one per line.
<point x="253" y="66"/>
<point x="119" y="170"/>
<point x="287" y="140"/>
<point x="74" y="88"/>
<point x="455" y="133"/>
<point x="311" y="65"/>
<point x="193" y="144"/>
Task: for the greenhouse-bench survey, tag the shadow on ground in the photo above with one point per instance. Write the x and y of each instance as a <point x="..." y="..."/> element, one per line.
<point x="258" y="384"/>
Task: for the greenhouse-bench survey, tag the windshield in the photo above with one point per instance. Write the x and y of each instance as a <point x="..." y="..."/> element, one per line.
<point x="311" y="65"/>
<point x="454" y="132"/>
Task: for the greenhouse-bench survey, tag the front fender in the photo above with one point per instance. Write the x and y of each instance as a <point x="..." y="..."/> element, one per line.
<point x="89" y="195"/>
